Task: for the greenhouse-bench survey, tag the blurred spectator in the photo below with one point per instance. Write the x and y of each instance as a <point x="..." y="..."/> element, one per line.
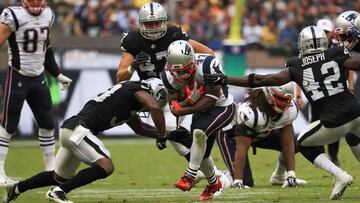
<point x="288" y="37"/>
<point x="270" y="34"/>
<point x="252" y="33"/>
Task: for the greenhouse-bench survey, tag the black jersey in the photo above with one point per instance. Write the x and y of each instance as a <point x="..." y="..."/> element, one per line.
<point x="134" y="43"/>
<point x="323" y="82"/>
<point x="113" y="107"/>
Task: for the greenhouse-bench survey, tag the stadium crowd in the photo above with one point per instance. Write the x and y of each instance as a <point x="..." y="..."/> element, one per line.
<point x="266" y="23"/>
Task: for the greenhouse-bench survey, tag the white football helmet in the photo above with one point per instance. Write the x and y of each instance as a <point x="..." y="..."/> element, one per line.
<point x="279" y="97"/>
<point x="342" y="23"/>
<point x="34" y="7"/>
<point x="158" y="90"/>
<point x="312" y="39"/>
<point x="180" y="57"/>
<point x="152" y="12"/>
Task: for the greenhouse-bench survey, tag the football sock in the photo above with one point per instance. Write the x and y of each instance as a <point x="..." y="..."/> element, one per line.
<point x="323" y="162"/>
<point x="208" y="168"/>
<point x="84" y="177"/>
<point x="4" y="148"/>
<point x="42" y="179"/>
<point x="354" y="142"/>
<point x="47" y="146"/>
<point x="197" y="149"/>
<point x="191" y="172"/>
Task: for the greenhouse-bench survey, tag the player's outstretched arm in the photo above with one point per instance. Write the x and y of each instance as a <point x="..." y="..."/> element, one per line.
<point x="142" y="128"/>
<point x="200" y="48"/>
<point x="5" y="32"/>
<point x="125" y="70"/>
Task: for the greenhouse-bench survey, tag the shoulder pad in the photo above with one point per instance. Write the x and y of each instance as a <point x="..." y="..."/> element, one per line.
<point x="9" y="18"/>
<point x="130" y="42"/>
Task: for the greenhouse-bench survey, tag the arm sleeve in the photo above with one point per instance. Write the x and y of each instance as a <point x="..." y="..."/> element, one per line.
<point x="50" y="63"/>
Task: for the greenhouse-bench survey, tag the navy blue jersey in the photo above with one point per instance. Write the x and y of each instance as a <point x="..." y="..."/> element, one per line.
<point x="323" y="82"/>
<point x="134" y="43"/>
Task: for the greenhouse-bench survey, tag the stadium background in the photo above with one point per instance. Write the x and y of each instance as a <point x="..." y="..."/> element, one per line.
<point x="86" y="37"/>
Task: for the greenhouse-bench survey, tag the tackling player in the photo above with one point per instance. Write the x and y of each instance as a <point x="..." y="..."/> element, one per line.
<point x="27" y="29"/>
<point x="321" y="72"/>
<point x="79" y="142"/>
<point x="211" y="111"/>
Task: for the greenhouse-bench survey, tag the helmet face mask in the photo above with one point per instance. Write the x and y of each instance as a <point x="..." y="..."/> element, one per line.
<point x="180" y="57"/>
<point x="279" y="97"/>
<point x="152" y="20"/>
<point x="312" y="39"/>
<point x="35" y="7"/>
<point x="342" y="23"/>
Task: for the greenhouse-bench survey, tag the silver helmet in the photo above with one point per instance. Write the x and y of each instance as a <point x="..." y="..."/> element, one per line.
<point x="180" y="57"/>
<point x="312" y="39"/>
<point x="342" y="23"/>
<point x="158" y="91"/>
<point x="279" y="97"/>
<point x="152" y="12"/>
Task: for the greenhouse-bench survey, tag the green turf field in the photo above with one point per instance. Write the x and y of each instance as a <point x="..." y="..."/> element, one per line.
<point x="145" y="174"/>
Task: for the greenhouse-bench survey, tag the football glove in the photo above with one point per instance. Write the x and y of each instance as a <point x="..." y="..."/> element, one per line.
<point x="290" y="182"/>
<point x="238" y="184"/>
<point x="64" y="81"/>
<point x="161" y="141"/>
<point x="215" y="79"/>
<point x="353" y="31"/>
<point x="140" y="59"/>
<point x="176" y="106"/>
<point x="192" y="96"/>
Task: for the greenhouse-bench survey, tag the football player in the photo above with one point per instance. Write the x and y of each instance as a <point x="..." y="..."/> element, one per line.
<point x="212" y="108"/>
<point x="264" y="120"/>
<point x="27" y="29"/>
<point x="321" y="72"/>
<point x="79" y="141"/>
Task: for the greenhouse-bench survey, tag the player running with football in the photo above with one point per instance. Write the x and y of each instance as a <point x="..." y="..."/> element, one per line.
<point x="321" y="74"/>
<point x="79" y="142"/>
<point x="212" y="110"/>
<point x="27" y="29"/>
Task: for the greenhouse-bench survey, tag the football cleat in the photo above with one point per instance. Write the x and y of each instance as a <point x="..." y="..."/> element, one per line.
<point x="11" y="193"/>
<point x="211" y="191"/>
<point x="185" y="183"/>
<point x="56" y="194"/>
<point x="342" y="181"/>
<point x="6" y="181"/>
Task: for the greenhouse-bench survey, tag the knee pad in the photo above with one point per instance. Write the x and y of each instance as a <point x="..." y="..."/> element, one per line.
<point x="199" y="136"/>
<point x="46" y="132"/>
<point x="180" y="148"/>
<point x="4" y="133"/>
<point x="352" y="139"/>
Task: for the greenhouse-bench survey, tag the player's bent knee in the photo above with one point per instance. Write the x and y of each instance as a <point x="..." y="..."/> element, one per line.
<point x="352" y="139"/>
<point x="4" y="133"/>
<point x="107" y="165"/>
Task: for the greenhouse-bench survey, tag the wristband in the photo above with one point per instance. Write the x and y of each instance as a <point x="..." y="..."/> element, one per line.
<point x="251" y="80"/>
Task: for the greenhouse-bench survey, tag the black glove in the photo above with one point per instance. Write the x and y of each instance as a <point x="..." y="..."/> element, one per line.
<point x="238" y="185"/>
<point x="215" y="79"/>
<point x="161" y="141"/>
<point x="290" y="182"/>
<point x="353" y="31"/>
<point x="140" y="59"/>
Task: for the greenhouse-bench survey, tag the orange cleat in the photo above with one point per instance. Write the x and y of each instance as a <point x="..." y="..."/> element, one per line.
<point x="185" y="183"/>
<point x="211" y="191"/>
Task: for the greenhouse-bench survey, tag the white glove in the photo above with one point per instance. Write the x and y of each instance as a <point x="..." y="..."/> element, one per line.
<point x="65" y="81"/>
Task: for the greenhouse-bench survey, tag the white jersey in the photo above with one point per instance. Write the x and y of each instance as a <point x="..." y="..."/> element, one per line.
<point x="259" y="122"/>
<point x="205" y="63"/>
<point x="29" y="39"/>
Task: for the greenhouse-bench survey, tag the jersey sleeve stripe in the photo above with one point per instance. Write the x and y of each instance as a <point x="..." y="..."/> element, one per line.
<point x="166" y="81"/>
<point x="15" y="60"/>
<point x="15" y="19"/>
<point x="206" y="65"/>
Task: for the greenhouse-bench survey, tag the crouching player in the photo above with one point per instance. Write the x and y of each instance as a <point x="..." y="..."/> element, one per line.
<point x="79" y="141"/>
<point x="264" y="120"/>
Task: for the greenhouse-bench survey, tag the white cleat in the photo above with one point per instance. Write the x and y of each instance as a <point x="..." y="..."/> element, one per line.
<point x="56" y="194"/>
<point x="6" y="181"/>
<point x="342" y="181"/>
